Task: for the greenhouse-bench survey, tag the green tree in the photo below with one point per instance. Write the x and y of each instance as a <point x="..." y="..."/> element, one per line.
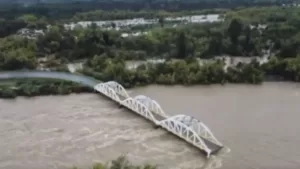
<point x="161" y="21"/>
<point x="235" y="30"/>
<point x="181" y="45"/>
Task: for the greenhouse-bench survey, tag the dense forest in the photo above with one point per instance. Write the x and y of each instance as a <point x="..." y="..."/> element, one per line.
<point x="68" y="8"/>
<point x="57" y="11"/>
<point x="245" y="32"/>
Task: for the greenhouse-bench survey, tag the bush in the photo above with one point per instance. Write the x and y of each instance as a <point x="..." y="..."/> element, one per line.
<point x="7" y="92"/>
<point x="37" y="87"/>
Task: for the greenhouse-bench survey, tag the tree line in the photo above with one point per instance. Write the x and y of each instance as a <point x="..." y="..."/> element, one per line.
<point x="239" y="35"/>
<point x="187" y="72"/>
<point x="67" y="9"/>
<point x="36" y="87"/>
<point x="106" y="51"/>
<point x="190" y="72"/>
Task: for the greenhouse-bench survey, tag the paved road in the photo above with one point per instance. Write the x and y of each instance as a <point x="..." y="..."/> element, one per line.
<point x="87" y="81"/>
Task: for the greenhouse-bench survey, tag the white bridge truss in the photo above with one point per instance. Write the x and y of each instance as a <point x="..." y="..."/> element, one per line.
<point x="188" y="128"/>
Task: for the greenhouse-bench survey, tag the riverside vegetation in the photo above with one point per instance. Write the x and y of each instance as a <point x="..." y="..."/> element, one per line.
<point x="120" y="163"/>
<point x="35" y="87"/>
<point x="105" y="51"/>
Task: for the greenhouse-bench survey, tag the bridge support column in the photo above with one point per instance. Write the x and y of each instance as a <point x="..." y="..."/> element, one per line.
<point x="157" y="126"/>
<point x="120" y="106"/>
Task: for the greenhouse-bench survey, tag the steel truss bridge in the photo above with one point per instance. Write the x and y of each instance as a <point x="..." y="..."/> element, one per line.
<point x="186" y="127"/>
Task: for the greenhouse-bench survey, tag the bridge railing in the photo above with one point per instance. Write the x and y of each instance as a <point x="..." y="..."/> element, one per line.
<point x="186" y="127"/>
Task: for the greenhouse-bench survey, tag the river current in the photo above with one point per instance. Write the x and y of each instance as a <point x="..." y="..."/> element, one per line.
<point x="259" y="126"/>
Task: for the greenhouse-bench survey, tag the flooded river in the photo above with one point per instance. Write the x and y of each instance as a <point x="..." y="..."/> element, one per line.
<point x="258" y="124"/>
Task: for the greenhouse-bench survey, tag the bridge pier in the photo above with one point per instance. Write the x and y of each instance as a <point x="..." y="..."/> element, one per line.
<point x="157" y="126"/>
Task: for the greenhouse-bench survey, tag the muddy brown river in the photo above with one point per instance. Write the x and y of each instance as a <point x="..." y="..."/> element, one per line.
<point x="259" y="125"/>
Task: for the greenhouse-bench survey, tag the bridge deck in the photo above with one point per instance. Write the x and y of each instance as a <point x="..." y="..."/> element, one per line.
<point x="214" y="147"/>
<point x="158" y="117"/>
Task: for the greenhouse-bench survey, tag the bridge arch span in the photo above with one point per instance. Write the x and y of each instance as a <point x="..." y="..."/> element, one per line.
<point x="139" y="108"/>
<point x="109" y="92"/>
<point x="152" y="105"/>
<point x="182" y="130"/>
<point x="185" y="127"/>
<point x="199" y="127"/>
<point x="119" y="89"/>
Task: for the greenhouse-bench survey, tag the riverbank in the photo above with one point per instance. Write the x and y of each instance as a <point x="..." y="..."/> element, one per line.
<point x="12" y="88"/>
<point x="180" y="72"/>
<point x="190" y="72"/>
<point x="172" y="72"/>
